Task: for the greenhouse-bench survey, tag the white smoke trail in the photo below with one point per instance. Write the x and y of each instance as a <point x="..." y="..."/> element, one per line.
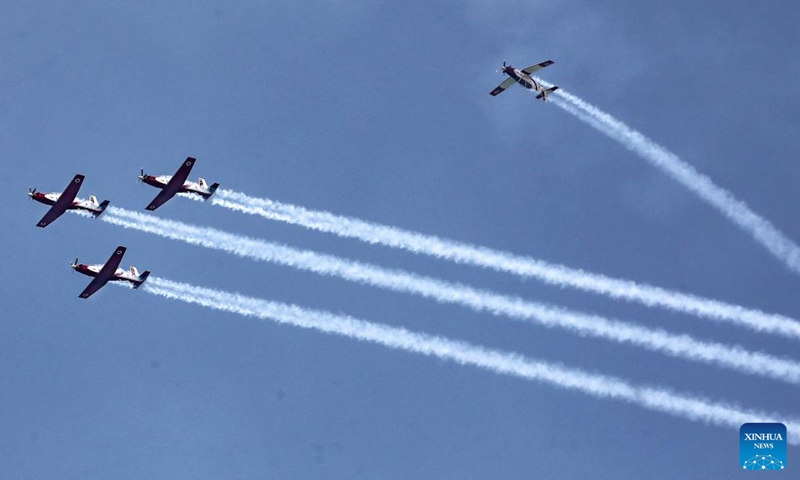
<point x="504" y="363"/>
<point x="191" y="196"/>
<point x="506" y="262"/>
<point x="81" y="213"/>
<point x="681" y="346"/>
<point x="778" y="244"/>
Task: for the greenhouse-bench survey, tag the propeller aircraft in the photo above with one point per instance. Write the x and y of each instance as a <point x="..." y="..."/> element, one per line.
<point x="172" y="184"/>
<point x="66" y="200"/>
<point x="109" y="272"/>
<point x="524" y="78"/>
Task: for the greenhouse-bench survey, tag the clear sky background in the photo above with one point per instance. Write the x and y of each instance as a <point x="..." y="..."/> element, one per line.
<point x="380" y="110"/>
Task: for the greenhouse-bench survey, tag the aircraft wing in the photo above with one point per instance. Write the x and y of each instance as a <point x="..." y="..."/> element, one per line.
<point x="162" y="198"/>
<point x="105" y="274"/>
<point x="174" y="185"/>
<point x="537" y="67"/>
<point x="96" y="284"/>
<point x="63" y="203"/>
<point x="506" y="83"/>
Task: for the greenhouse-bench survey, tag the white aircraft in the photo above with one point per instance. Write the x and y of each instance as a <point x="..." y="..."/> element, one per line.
<point x="523" y="77"/>
<point x="172" y="184"/>
<point x="60" y="202"/>
<point x="108" y="272"/>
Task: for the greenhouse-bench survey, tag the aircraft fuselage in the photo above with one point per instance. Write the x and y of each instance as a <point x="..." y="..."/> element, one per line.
<point x="522" y="78"/>
<point x="77" y="204"/>
<point x="119" y="275"/>
<point x="188" y="187"/>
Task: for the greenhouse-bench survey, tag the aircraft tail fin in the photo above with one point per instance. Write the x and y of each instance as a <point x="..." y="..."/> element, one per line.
<point x="101" y="208"/>
<point x="93" y="200"/>
<point x="202" y="183"/>
<point x="543" y="96"/>
<point x="211" y="190"/>
<point x="134" y="271"/>
<point x="142" y="279"/>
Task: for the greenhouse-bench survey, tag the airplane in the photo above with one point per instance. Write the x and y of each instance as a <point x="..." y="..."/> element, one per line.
<point x="109" y="272"/>
<point x="61" y="202"/>
<point x="170" y="185"/>
<point x="523" y="77"/>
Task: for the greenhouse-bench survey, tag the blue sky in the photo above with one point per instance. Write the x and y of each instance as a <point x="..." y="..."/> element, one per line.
<point x="381" y="111"/>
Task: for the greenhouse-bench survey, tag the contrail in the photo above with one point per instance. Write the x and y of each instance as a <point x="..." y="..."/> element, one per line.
<point x="681" y="346"/>
<point x="462" y="353"/>
<point x="522" y="266"/>
<point x="778" y="244"/>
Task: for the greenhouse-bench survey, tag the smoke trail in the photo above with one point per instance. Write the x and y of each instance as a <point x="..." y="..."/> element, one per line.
<point x="681" y="346"/>
<point x="658" y="399"/>
<point x="501" y="261"/>
<point x="81" y="213"/>
<point x="190" y="196"/>
<point x="778" y="244"/>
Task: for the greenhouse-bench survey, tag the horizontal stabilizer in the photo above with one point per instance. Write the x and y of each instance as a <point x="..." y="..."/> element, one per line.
<point x="142" y="279"/>
<point x="101" y="208"/>
<point x="543" y="95"/>
<point x="211" y="191"/>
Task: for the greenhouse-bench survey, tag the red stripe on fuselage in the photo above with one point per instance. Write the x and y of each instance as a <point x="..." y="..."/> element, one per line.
<point x="41" y="198"/>
<point x="151" y="180"/>
<point x="84" y="269"/>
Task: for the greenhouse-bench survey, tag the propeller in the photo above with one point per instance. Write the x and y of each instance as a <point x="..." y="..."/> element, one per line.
<point x="141" y="177"/>
<point x="31" y="192"/>
<point x="74" y="265"/>
<point x="502" y="70"/>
